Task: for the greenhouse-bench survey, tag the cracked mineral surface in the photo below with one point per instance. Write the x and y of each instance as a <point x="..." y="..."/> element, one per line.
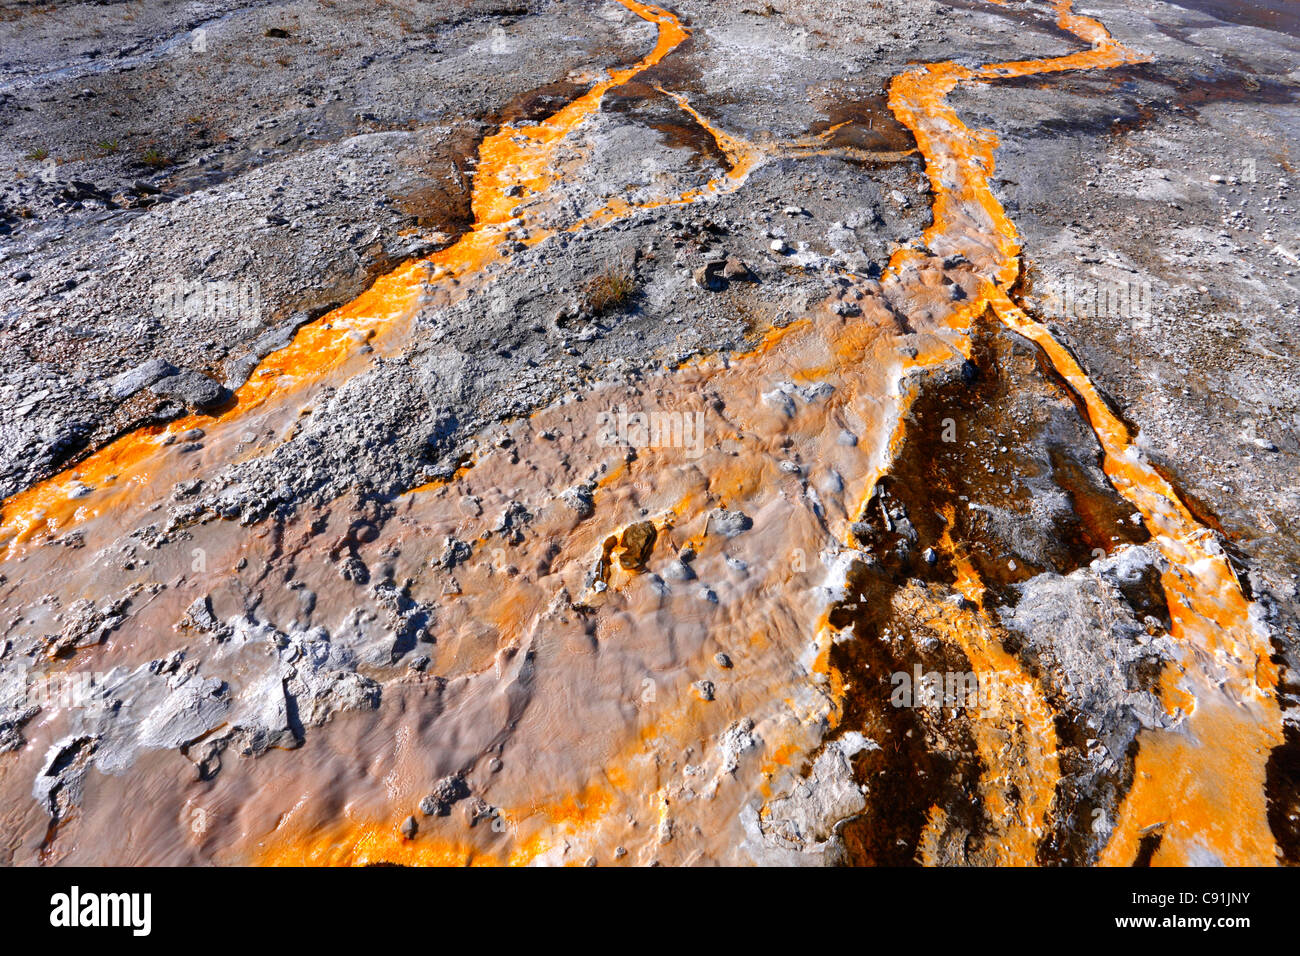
<point x="586" y="431"/>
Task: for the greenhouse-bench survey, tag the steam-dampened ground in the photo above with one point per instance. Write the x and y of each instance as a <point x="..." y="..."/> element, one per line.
<point x="293" y="576"/>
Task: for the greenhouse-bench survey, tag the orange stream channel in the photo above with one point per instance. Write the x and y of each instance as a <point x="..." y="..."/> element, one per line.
<point x="1201" y="782"/>
<point x="513" y="156"/>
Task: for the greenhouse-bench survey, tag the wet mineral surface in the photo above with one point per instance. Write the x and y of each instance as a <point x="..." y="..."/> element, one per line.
<point x="597" y="432"/>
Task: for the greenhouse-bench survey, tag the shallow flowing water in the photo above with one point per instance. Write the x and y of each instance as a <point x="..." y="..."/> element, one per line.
<point x="576" y="678"/>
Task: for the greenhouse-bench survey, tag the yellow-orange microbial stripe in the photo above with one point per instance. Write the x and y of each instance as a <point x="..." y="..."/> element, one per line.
<point x="1202" y="782"/>
<point x="512" y="156"/>
<point x="612" y="778"/>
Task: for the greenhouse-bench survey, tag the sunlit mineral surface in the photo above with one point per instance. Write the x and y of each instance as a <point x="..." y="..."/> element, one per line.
<point x="673" y="449"/>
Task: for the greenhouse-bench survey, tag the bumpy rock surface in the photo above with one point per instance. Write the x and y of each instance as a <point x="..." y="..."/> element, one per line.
<point x="585" y="432"/>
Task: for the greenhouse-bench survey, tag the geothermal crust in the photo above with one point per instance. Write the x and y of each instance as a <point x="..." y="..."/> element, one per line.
<point x="518" y="432"/>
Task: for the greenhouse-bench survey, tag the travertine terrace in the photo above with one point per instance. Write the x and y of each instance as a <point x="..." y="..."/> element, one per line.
<point x="594" y="432"/>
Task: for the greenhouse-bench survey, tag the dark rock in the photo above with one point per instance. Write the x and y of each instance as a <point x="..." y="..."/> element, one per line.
<point x="143" y="375"/>
<point x="734" y="270"/>
<point x="239" y="370"/>
<point x="580" y="499"/>
<point x="199" y="615"/>
<point x="280" y="336"/>
<point x="707" y="277"/>
<point x="194" y="390"/>
<point x="729" y="523"/>
<point x="446" y="791"/>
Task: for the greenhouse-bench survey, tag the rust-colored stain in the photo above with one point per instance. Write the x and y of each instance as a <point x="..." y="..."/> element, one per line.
<point x="619" y="736"/>
<point x="1202" y="782"/>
